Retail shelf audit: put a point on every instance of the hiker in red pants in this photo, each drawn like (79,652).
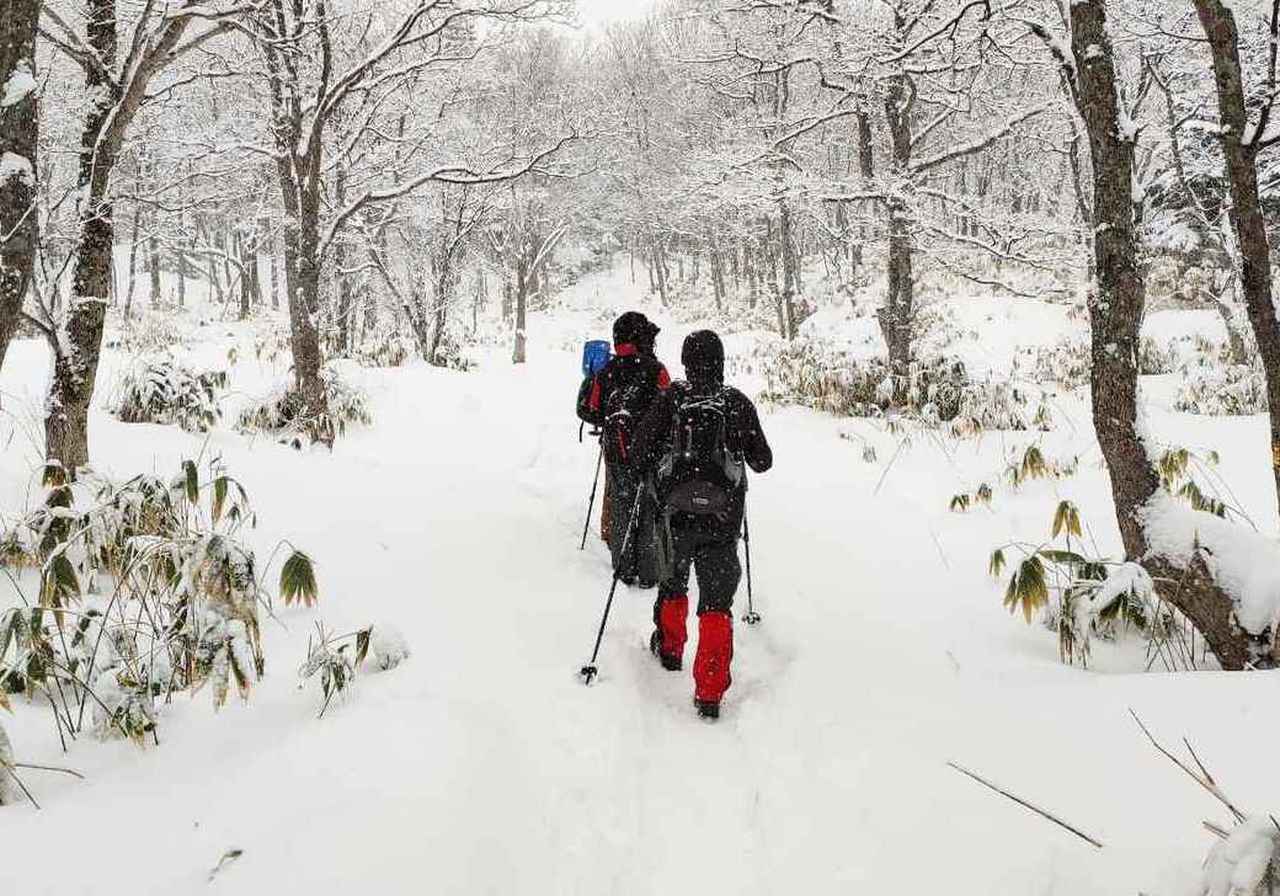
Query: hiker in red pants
(695,440)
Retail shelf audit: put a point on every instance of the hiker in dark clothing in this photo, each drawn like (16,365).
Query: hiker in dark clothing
(695,440)
(615,400)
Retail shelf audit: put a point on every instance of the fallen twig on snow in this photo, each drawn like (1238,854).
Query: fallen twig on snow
(1021,802)
(1204,779)
(12,774)
(48,768)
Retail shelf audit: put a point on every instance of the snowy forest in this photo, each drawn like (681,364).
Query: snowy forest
(300,544)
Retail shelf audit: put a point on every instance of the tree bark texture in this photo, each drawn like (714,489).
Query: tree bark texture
(18,137)
(1115,314)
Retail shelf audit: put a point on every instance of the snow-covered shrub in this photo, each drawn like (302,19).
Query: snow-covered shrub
(1032,464)
(1155,359)
(272,343)
(335,660)
(1076,596)
(143,588)
(332,661)
(162,390)
(451,355)
(148,333)
(1080,597)
(1221,391)
(283,412)
(938,389)
(387,646)
(1066,364)
(385,350)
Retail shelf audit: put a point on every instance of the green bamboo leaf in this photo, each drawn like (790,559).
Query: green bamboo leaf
(1033,590)
(191,480)
(1073,522)
(1066,558)
(219,496)
(362,644)
(298,580)
(996,566)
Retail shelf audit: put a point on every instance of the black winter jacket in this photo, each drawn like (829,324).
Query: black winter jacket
(625,388)
(744,437)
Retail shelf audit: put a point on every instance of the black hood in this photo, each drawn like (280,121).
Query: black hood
(633,328)
(703,357)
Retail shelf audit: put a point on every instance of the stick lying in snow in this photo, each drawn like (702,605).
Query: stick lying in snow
(1204,779)
(48,768)
(1021,802)
(23,787)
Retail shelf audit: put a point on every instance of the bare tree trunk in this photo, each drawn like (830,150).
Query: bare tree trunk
(1115,313)
(659,270)
(19,127)
(345,292)
(246,284)
(790,275)
(302,276)
(153,266)
(519,354)
(76,355)
(135,231)
(897,316)
(1219,27)
(275,276)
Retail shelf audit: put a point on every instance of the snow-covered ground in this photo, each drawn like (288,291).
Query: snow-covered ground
(482,765)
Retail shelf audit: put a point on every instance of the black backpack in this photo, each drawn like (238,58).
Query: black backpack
(621,416)
(699,475)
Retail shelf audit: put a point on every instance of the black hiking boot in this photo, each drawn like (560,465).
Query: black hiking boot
(707,710)
(670,663)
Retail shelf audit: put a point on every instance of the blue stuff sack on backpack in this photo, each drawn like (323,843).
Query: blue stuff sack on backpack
(595,354)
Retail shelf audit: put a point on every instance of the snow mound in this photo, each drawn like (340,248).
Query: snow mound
(1245,564)
(388,646)
(1237,865)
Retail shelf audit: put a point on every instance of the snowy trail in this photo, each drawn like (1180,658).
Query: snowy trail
(484,766)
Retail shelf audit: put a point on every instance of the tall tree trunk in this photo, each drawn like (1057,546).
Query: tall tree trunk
(519,354)
(660,270)
(18,139)
(135,233)
(153,266)
(790,275)
(345,292)
(237,251)
(440,310)
(275,275)
(250,260)
(897,316)
(302,276)
(180,265)
(1115,314)
(1219,26)
(76,354)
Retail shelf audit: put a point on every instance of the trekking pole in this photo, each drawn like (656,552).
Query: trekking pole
(752,617)
(595,483)
(589,671)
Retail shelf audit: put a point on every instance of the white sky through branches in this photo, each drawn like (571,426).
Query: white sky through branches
(602,12)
